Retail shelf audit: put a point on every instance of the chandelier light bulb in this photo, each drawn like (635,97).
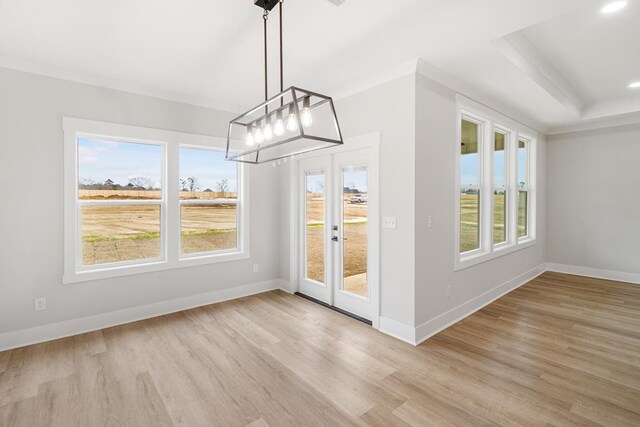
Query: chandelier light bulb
(278,129)
(258,135)
(305,114)
(250,140)
(292,121)
(268,131)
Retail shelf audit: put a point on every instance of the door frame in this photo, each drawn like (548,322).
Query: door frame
(369,141)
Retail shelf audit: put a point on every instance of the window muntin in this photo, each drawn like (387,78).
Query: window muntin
(523,188)
(119,201)
(208,202)
(500,188)
(470,179)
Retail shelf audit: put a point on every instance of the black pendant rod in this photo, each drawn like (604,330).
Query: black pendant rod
(265,16)
(281,60)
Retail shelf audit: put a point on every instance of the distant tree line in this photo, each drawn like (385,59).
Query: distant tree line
(137,183)
(144,184)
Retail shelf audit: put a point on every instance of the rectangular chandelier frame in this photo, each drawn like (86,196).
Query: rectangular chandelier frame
(304,139)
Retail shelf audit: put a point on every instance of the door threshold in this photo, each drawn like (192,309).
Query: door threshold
(339,310)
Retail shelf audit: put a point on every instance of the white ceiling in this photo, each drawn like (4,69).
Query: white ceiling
(209,51)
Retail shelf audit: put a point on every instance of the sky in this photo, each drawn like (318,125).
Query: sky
(354,178)
(469,168)
(100,160)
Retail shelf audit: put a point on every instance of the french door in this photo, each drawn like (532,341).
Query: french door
(338,230)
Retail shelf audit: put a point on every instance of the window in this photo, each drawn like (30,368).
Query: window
(139,200)
(500,192)
(523,188)
(208,202)
(470,186)
(496,187)
(120,200)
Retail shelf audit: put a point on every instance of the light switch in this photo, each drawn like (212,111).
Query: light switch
(389,222)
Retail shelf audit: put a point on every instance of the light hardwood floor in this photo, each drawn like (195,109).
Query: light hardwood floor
(561,350)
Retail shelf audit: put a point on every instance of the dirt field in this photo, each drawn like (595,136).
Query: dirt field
(125,233)
(355,245)
(469,221)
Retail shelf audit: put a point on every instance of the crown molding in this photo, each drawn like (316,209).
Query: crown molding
(61,73)
(595,124)
(377,79)
(429,71)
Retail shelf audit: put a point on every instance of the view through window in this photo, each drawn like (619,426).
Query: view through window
(120,197)
(315,225)
(470,187)
(208,201)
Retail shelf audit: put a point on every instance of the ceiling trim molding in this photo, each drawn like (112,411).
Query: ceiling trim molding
(377,79)
(431,72)
(52,71)
(595,124)
(523,54)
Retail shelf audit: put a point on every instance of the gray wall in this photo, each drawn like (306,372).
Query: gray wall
(31,205)
(594,199)
(435,194)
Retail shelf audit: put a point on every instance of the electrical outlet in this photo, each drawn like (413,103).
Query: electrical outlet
(449,291)
(40,304)
(430,221)
(256,268)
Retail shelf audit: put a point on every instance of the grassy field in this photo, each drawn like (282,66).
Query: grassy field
(469,220)
(125,233)
(355,245)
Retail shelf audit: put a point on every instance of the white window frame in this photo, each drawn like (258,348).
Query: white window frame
(507,178)
(490,122)
(170,228)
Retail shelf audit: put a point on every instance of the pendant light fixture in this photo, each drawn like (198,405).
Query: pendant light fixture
(295,121)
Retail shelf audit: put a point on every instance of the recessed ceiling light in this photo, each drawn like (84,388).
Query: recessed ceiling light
(614,6)
(634,85)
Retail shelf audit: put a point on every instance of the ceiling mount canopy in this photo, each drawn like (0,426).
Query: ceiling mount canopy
(295,121)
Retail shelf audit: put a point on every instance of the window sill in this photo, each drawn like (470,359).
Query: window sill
(463,262)
(150,267)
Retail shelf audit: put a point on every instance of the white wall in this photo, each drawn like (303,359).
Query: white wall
(389,109)
(435,193)
(593,181)
(31,205)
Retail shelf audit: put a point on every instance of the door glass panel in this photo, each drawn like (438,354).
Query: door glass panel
(315,226)
(354,225)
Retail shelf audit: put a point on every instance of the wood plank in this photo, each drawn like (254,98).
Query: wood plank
(561,350)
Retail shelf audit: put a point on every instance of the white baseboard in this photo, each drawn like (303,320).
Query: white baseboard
(597,273)
(38,334)
(285,285)
(443,321)
(397,330)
